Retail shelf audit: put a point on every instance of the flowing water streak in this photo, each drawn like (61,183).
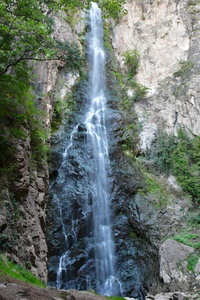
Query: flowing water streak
(105,282)
(95,123)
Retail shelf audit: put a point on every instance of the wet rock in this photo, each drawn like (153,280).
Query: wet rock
(82,127)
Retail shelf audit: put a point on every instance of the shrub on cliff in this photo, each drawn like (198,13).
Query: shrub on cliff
(180,156)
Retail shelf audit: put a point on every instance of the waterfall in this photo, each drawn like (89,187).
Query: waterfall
(97,137)
(82,195)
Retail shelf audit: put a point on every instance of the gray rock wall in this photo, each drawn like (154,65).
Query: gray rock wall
(166,35)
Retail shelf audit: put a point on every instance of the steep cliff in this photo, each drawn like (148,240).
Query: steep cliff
(166,35)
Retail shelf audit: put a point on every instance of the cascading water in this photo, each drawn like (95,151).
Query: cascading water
(82,195)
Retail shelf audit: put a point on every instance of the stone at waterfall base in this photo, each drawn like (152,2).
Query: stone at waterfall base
(167,296)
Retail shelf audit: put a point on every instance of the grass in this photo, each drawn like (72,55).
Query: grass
(189,239)
(192,261)
(15,271)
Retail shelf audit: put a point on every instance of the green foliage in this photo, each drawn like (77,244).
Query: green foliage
(25,33)
(107,39)
(25,30)
(58,113)
(179,155)
(131,61)
(189,239)
(194,218)
(18,114)
(162,150)
(7,268)
(140,90)
(112,8)
(186,164)
(157,189)
(192,261)
(193,2)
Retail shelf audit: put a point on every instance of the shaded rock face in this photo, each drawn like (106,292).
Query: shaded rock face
(67,224)
(23,223)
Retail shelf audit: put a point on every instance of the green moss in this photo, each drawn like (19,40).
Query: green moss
(7,268)
(192,261)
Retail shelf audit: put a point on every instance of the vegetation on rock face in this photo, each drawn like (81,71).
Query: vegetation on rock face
(18,272)
(131,60)
(180,156)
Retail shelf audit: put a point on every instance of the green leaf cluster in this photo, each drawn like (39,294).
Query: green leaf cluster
(140,90)
(131,61)
(25,34)
(112,8)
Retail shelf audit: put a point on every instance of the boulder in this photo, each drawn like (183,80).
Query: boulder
(173,264)
(164,296)
(179,296)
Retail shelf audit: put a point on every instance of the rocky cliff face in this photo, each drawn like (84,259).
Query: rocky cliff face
(166,35)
